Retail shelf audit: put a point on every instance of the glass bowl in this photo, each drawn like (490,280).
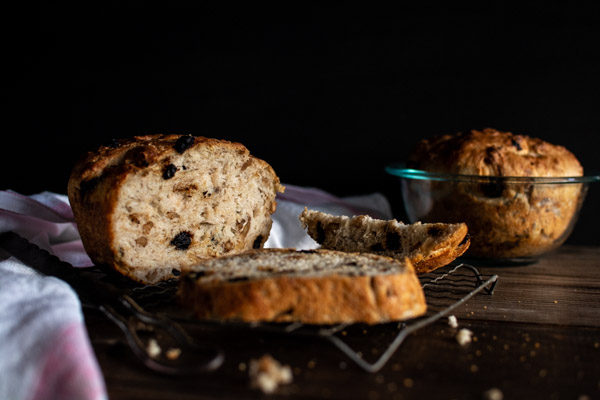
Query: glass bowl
(510,219)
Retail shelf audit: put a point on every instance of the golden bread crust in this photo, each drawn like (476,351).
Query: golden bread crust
(491,152)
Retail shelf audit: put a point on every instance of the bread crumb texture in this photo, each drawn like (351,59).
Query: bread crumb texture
(309,286)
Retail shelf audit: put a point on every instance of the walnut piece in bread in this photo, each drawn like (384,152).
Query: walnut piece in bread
(308,286)
(428,246)
(151,205)
(506,219)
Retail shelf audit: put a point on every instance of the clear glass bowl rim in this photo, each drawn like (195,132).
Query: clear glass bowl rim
(400,170)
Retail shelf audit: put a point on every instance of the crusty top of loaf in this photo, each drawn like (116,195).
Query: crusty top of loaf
(140,151)
(491,152)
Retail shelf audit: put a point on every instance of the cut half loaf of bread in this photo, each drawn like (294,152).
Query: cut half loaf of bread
(428,246)
(310,286)
(151,205)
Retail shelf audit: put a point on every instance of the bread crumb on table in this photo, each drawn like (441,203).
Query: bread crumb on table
(493,394)
(173,353)
(266,374)
(463,337)
(153,348)
(452,321)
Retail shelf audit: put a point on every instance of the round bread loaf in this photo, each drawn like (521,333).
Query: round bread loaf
(309,286)
(506,219)
(491,152)
(151,205)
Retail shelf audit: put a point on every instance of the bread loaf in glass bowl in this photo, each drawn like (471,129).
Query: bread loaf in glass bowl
(519,196)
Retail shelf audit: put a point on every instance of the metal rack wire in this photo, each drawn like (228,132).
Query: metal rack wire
(445,290)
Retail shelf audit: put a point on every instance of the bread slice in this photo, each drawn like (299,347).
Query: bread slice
(428,246)
(308,286)
(151,205)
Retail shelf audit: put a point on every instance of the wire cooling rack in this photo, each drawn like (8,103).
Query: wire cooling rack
(147,314)
(445,289)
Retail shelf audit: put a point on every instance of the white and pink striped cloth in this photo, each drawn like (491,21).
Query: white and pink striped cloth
(45,351)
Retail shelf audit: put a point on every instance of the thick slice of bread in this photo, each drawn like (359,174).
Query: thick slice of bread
(428,246)
(151,205)
(309,286)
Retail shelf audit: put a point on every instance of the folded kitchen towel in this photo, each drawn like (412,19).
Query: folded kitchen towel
(45,352)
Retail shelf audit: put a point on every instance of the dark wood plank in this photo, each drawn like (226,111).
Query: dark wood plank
(562,288)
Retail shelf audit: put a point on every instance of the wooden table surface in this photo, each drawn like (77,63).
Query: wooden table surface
(536,337)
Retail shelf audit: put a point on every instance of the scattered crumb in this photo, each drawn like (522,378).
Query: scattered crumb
(493,394)
(584,397)
(407,382)
(343,365)
(543,373)
(452,321)
(267,374)
(474,368)
(242,366)
(311,364)
(173,354)
(555,301)
(153,348)
(392,387)
(463,337)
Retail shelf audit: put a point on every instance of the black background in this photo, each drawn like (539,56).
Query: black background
(327,94)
